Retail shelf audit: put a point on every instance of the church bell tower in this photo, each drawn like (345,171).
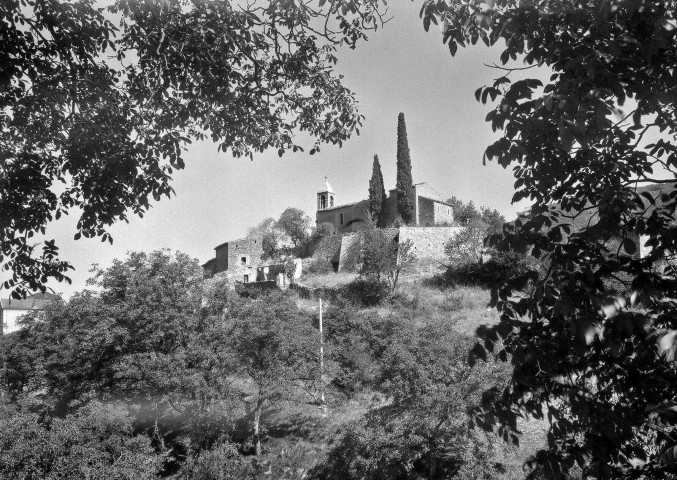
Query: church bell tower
(325,197)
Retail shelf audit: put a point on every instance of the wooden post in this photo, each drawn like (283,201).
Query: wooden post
(323,405)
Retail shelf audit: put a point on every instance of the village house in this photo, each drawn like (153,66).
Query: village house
(240,261)
(237,259)
(11,310)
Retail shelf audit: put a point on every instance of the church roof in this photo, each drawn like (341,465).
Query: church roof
(327,187)
(33,302)
(425,190)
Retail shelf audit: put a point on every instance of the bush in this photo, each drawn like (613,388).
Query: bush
(325,229)
(355,342)
(361,292)
(501,267)
(319,266)
(221,462)
(384,258)
(98,442)
(366,292)
(467,244)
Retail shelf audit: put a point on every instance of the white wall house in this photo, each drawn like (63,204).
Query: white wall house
(11,310)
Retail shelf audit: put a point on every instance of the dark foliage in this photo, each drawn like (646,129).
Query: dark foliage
(319,266)
(377,194)
(423,432)
(601,367)
(405,183)
(98,442)
(383,258)
(363,292)
(498,269)
(356,341)
(108,109)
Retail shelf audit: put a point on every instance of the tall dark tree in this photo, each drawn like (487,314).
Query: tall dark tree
(377,193)
(405,183)
(600,366)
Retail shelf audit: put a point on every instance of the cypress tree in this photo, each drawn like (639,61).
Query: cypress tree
(377,193)
(405,183)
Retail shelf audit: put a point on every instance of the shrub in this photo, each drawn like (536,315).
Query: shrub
(325,229)
(319,266)
(467,244)
(349,336)
(383,258)
(501,267)
(366,292)
(221,462)
(98,442)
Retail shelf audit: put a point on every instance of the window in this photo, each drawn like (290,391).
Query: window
(323,202)
(340,219)
(331,201)
(243,260)
(246,279)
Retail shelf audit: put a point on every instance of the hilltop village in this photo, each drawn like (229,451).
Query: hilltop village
(410,212)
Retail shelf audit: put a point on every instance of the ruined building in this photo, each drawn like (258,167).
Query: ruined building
(240,260)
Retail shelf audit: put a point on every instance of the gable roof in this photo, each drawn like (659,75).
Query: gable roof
(33,302)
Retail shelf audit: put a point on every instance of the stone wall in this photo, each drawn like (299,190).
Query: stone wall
(444,214)
(221,259)
(328,248)
(351,246)
(429,241)
(428,244)
(238,258)
(346,218)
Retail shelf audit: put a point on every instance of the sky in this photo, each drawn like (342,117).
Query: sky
(401,68)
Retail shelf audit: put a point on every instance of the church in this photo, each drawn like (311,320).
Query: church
(429,210)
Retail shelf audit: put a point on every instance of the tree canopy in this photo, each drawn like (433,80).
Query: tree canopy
(592,340)
(98,103)
(467,213)
(296,224)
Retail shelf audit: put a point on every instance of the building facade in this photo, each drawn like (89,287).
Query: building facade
(239,259)
(430,210)
(12,310)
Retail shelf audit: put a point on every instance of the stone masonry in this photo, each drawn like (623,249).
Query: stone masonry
(428,244)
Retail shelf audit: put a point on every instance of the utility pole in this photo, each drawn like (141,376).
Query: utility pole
(323,404)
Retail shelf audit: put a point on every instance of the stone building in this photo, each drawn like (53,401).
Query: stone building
(430,210)
(239,259)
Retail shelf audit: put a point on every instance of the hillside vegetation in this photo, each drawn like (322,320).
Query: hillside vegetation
(197,382)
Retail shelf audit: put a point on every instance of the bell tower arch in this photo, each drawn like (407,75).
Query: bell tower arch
(325,197)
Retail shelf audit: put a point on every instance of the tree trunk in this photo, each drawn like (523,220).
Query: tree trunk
(432,462)
(257,423)
(432,467)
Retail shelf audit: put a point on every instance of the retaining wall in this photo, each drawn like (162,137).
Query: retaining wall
(429,241)
(349,258)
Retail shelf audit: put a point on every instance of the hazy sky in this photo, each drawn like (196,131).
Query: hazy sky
(400,69)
